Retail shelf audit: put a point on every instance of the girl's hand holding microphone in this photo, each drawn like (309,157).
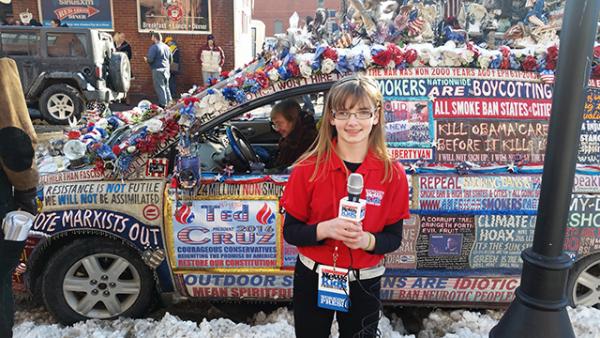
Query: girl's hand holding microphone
(349,232)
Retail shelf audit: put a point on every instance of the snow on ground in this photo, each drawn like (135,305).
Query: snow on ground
(37,323)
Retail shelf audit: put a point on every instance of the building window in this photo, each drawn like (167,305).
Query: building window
(320,3)
(278,27)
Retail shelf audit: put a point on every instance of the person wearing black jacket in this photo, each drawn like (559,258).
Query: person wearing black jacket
(297,130)
(18,178)
(122,45)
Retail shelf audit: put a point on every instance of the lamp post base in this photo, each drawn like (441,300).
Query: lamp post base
(522,320)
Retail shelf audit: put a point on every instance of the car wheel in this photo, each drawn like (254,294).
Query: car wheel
(100,279)
(584,282)
(120,72)
(59,102)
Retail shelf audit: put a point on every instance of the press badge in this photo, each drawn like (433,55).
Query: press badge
(334,289)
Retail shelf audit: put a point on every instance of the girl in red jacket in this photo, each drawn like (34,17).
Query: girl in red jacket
(339,265)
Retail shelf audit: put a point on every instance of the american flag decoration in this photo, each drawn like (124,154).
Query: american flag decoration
(157,167)
(452,8)
(547,77)
(415,26)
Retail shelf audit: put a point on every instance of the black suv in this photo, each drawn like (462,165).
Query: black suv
(62,69)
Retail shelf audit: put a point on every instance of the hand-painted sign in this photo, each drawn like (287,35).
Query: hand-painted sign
(406,255)
(485,141)
(478,194)
(584,224)
(263,189)
(408,123)
(589,140)
(78,13)
(225,234)
(181,17)
(446,289)
(119,224)
(140,199)
(586,184)
(500,240)
(71,176)
(445,242)
(239,286)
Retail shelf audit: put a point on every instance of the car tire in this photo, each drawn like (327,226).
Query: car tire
(120,72)
(60,102)
(96,279)
(584,282)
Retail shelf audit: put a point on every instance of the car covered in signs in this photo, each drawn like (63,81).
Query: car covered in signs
(177,203)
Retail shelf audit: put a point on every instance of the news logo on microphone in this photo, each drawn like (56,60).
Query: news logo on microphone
(352,207)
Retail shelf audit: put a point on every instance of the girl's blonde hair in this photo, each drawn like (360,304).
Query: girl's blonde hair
(345,94)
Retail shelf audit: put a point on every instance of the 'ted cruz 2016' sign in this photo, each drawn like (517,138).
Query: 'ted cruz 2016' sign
(225,234)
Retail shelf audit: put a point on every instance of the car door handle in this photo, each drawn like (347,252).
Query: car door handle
(249,131)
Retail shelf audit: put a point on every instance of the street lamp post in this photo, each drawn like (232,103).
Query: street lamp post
(539,308)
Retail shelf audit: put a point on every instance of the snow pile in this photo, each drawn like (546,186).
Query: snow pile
(37,323)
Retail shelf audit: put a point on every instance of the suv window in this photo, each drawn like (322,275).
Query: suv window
(67,45)
(19,43)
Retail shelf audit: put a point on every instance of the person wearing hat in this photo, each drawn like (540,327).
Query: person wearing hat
(175,65)
(18,178)
(212,59)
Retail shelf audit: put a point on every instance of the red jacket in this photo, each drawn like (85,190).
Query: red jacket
(317,201)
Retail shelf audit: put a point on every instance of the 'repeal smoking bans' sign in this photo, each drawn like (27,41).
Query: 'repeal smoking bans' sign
(181,17)
(95,14)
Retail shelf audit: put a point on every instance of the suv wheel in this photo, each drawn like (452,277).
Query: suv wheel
(584,282)
(99,279)
(59,102)
(120,72)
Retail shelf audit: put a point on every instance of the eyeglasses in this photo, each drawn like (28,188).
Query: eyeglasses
(363,114)
(275,126)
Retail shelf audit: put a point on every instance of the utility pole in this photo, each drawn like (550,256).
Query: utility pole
(539,308)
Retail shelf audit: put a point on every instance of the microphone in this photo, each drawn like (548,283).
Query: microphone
(353,207)
(355,187)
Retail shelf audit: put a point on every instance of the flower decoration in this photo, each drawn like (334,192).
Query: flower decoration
(552,57)
(410,55)
(505,60)
(330,54)
(327,66)
(529,63)
(305,69)
(261,78)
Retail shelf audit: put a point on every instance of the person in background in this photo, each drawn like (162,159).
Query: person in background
(159,58)
(212,59)
(9,20)
(351,140)
(175,65)
(18,178)
(121,45)
(297,130)
(57,23)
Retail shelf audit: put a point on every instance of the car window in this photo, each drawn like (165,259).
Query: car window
(67,45)
(313,103)
(19,43)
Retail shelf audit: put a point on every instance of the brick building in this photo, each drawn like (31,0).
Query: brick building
(125,19)
(275,14)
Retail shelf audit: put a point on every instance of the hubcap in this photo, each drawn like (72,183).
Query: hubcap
(101,286)
(587,286)
(60,106)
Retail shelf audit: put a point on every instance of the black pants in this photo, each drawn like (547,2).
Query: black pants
(10,252)
(311,321)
